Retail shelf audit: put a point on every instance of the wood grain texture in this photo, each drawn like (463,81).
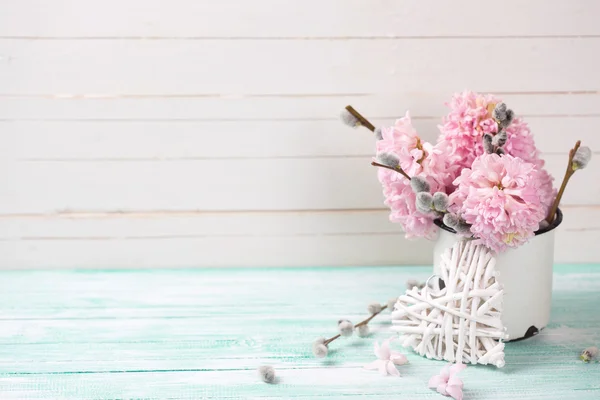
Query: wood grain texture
(305,19)
(111,140)
(152,133)
(264,107)
(215,66)
(196,334)
(242,239)
(240,184)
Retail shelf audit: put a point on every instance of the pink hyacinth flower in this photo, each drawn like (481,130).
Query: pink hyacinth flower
(400,198)
(447,383)
(415,157)
(468,120)
(403,141)
(386,359)
(501,198)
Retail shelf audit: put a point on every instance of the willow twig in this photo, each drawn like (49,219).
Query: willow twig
(363,121)
(568,174)
(397,169)
(366,321)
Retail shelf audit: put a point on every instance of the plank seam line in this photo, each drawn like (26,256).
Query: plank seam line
(233,235)
(99,214)
(240,96)
(298,38)
(216,158)
(291,119)
(205,236)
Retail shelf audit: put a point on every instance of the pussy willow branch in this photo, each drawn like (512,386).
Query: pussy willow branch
(568,174)
(331,339)
(363,121)
(366,321)
(397,169)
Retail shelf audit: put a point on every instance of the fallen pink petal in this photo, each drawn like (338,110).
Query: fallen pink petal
(387,360)
(447,383)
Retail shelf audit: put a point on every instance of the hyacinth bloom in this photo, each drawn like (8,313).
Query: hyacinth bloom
(401,200)
(500,197)
(546,189)
(520,143)
(402,140)
(439,167)
(415,157)
(469,119)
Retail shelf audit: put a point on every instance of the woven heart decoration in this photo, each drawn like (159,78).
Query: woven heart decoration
(461,322)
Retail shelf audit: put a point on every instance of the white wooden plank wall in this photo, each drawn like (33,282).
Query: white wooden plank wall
(165,133)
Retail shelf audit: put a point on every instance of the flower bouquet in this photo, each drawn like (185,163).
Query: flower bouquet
(483,181)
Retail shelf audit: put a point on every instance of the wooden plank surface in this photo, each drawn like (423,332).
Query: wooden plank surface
(114,107)
(142,133)
(291,19)
(266,238)
(194,139)
(195,334)
(323,66)
(217,184)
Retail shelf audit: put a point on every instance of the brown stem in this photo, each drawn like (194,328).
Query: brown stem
(568,174)
(366,321)
(331,339)
(363,121)
(397,169)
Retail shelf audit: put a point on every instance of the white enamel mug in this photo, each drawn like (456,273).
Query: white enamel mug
(525,272)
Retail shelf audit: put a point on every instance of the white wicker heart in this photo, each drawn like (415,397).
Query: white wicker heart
(461,322)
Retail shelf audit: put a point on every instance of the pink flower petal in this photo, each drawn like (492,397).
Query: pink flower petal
(384,350)
(372,365)
(456,368)
(455,381)
(455,391)
(435,381)
(377,350)
(442,389)
(383,368)
(445,373)
(391,369)
(398,358)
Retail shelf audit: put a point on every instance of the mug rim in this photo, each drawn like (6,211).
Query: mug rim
(557,221)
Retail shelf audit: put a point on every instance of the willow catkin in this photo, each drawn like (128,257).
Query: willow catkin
(345,327)
(349,119)
(582,157)
(267,373)
(419,184)
(388,159)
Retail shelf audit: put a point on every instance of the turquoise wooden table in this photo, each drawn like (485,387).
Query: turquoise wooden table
(195,334)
